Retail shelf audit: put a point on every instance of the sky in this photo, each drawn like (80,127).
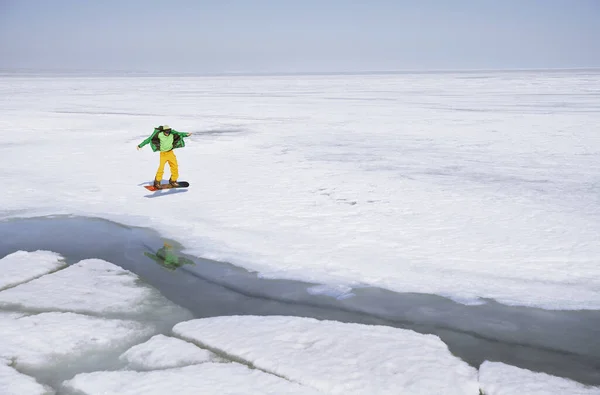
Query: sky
(228,36)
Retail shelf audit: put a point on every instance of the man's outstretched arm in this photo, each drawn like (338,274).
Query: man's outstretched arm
(146,141)
(183,134)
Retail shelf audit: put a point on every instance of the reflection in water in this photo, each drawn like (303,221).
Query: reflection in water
(561,343)
(167,258)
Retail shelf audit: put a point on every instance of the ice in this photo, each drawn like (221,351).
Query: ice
(248,354)
(14,383)
(36,341)
(10,315)
(90,286)
(337,358)
(500,379)
(22,266)
(466,185)
(162,352)
(339,292)
(206,379)
(45,334)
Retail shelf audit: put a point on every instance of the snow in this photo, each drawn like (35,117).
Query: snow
(500,379)
(10,315)
(207,378)
(40,340)
(467,185)
(337,358)
(89,286)
(162,352)
(14,383)
(83,354)
(22,266)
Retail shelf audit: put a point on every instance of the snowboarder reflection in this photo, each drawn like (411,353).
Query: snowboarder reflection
(168,259)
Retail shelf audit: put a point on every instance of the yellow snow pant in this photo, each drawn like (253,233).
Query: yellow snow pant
(170,158)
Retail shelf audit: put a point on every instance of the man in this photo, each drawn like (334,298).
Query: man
(165,140)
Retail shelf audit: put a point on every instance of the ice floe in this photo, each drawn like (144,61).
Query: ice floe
(92,286)
(500,379)
(22,266)
(48,338)
(162,352)
(48,345)
(337,358)
(14,383)
(208,378)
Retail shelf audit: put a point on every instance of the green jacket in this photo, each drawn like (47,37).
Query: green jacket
(155,142)
(168,259)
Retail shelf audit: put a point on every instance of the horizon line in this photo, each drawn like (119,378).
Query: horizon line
(143,73)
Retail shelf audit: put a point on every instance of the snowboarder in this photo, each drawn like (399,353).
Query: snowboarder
(165,140)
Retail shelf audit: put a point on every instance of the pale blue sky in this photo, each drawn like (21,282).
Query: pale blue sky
(295,36)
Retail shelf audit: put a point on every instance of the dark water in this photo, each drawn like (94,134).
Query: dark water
(561,343)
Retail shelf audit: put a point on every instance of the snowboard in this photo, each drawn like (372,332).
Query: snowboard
(182,184)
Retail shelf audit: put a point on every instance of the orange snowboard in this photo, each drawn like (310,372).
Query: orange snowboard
(182,184)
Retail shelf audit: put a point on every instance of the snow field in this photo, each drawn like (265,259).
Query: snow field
(468,185)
